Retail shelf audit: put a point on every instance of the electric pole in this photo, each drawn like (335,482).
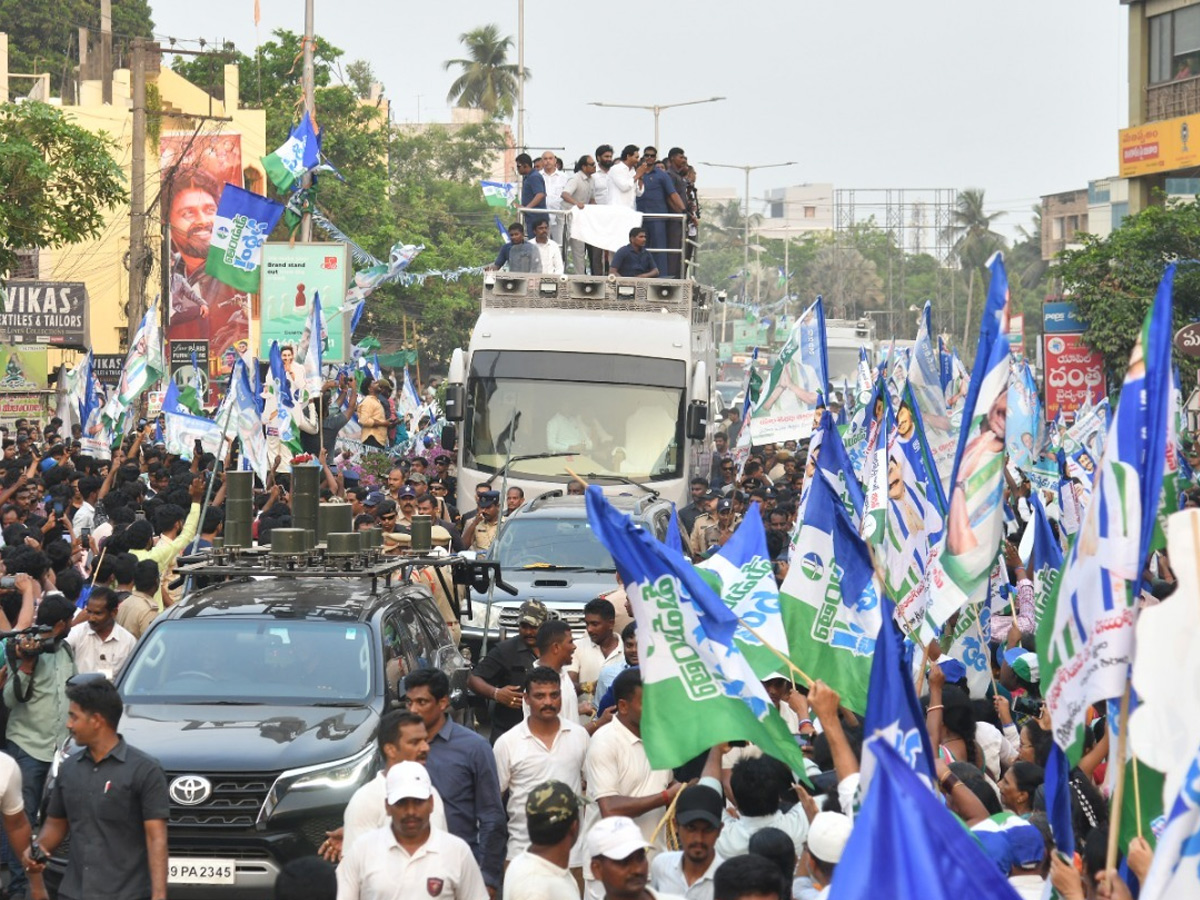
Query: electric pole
(137,191)
(310,105)
(106,58)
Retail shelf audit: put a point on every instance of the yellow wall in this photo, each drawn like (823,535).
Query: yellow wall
(100,263)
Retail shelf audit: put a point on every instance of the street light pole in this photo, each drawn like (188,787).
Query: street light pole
(655,108)
(308,79)
(520,76)
(746,235)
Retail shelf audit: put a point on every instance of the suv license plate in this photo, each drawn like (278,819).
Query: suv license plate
(200,870)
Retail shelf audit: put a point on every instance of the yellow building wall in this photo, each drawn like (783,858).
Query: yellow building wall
(100,263)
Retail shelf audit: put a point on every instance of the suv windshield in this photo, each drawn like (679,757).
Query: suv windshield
(235,660)
(534,542)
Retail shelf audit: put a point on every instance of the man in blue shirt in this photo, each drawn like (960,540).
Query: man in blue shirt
(634,260)
(533,191)
(658,196)
(463,770)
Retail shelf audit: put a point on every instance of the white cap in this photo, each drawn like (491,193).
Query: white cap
(616,837)
(408,780)
(827,836)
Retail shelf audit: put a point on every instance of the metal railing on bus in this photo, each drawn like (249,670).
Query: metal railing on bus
(689,259)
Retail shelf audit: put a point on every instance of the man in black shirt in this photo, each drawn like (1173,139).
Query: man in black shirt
(113,800)
(500,674)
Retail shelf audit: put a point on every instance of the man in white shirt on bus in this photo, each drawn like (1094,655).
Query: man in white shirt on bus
(625,179)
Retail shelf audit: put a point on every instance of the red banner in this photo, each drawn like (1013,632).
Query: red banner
(1074,373)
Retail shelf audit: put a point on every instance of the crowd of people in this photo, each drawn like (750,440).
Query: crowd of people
(663,191)
(553,796)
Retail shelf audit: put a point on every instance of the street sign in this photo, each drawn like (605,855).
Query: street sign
(1187,340)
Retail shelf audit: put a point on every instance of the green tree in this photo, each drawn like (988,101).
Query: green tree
(1112,280)
(56,180)
(44,36)
(487,80)
(974,242)
(848,281)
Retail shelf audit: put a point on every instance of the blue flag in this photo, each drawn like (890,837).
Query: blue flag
(906,844)
(673,537)
(894,716)
(1175,871)
(280,388)
(1058,800)
(1046,558)
(833,462)
(299,153)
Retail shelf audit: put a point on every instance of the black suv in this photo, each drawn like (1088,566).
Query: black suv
(261,699)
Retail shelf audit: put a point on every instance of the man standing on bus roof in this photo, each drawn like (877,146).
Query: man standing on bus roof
(658,197)
(634,260)
(517,254)
(533,191)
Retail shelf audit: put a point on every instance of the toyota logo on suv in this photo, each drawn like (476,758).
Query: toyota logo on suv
(190,790)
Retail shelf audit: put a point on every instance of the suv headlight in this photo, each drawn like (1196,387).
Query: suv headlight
(339,774)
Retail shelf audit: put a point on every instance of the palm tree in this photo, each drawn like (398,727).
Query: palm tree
(488,81)
(974,241)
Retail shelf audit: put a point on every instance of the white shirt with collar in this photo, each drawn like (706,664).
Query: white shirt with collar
(551,256)
(590,659)
(617,767)
(570,700)
(376,867)
(666,874)
(523,762)
(367,811)
(736,832)
(530,877)
(93,654)
(85,517)
(623,187)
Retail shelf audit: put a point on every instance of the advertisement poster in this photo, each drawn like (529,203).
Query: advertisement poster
(1074,373)
(184,374)
(45,312)
(107,367)
(22,368)
(291,275)
(25,406)
(195,172)
(1061,317)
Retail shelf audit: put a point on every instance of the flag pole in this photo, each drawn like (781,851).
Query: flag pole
(792,667)
(1114,818)
(1137,795)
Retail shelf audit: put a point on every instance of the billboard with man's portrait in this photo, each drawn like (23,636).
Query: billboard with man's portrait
(195,170)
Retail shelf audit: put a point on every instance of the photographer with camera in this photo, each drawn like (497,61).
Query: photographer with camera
(38,663)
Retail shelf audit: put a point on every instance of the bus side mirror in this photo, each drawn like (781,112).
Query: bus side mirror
(449,437)
(455,406)
(697,421)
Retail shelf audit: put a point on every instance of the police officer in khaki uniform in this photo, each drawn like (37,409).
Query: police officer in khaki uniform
(706,518)
(483,527)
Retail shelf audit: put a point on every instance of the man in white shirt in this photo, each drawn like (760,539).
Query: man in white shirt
(85,516)
(556,180)
(602,647)
(579,192)
(689,872)
(548,251)
(541,872)
(407,857)
(543,747)
(402,738)
(625,179)
(756,784)
(618,774)
(100,644)
(556,647)
(827,837)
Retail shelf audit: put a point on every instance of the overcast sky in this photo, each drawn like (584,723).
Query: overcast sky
(1021,97)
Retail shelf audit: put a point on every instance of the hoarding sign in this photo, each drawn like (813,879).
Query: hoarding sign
(45,312)
(1074,374)
(108,367)
(34,406)
(292,274)
(183,372)
(1160,146)
(23,368)
(1061,317)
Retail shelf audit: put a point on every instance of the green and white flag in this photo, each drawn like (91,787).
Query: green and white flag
(830,599)
(500,194)
(299,153)
(698,689)
(785,405)
(144,367)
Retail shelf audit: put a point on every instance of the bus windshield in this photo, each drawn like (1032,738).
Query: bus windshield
(631,430)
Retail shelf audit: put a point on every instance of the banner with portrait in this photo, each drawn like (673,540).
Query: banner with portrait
(195,170)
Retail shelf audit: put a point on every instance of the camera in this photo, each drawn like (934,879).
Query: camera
(8,581)
(1027,706)
(38,634)
(37,854)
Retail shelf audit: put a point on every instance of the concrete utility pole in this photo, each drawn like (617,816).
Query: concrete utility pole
(106,58)
(310,104)
(137,189)
(520,76)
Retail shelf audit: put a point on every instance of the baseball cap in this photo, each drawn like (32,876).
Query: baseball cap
(416,478)
(532,612)
(489,498)
(408,780)
(1023,663)
(442,458)
(616,837)
(551,803)
(827,836)
(373,499)
(952,668)
(699,802)
(405,493)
